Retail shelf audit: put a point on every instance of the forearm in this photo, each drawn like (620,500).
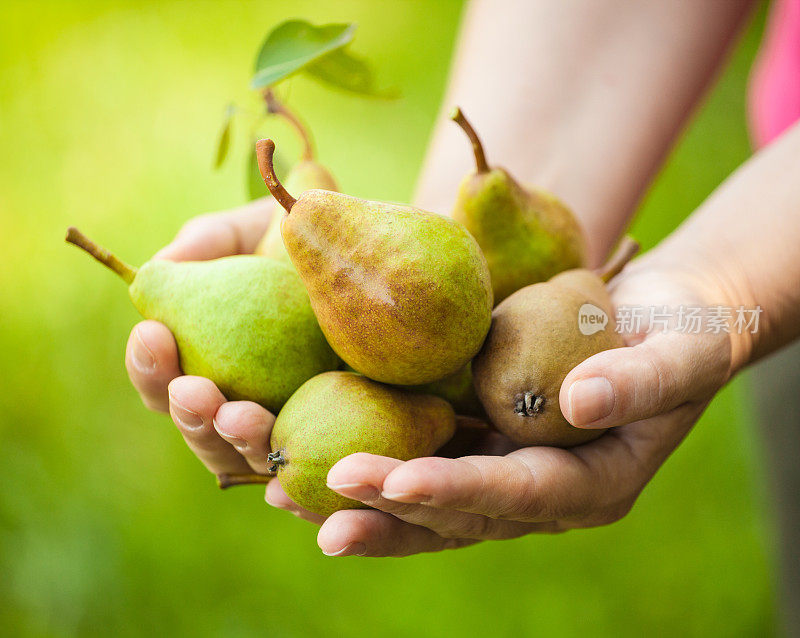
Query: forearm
(582,98)
(746,237)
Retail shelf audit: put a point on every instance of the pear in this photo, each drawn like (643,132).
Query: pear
(526,234)
(458,390)
(308,173)
(538,335)
(340,413)
(402,295)
(244,322)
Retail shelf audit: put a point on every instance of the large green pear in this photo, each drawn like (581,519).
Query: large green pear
(340,413)
(527,234)
(402,295)
(244,322)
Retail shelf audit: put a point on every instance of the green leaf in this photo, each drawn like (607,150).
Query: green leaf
(348,72)
(256,187)
(224,142)
(293,45)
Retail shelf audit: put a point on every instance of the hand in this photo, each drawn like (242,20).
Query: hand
(225,436)
(660,384)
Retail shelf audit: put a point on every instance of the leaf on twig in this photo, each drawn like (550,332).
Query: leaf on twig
(293,45)
(351,73)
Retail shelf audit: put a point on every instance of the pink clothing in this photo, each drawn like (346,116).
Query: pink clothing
(774,91)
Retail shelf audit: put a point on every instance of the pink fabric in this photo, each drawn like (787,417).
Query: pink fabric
(774,91)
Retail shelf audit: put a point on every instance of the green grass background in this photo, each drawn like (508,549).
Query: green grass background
(109,526)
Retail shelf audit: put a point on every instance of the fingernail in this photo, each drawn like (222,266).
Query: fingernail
(406,497)
(590,400)
(166,252)
(143,357)
(357,491)
(235,441)
(353,549)
(185,418)
(268,502)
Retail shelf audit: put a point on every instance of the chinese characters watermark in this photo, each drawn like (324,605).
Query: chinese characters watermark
(685,319)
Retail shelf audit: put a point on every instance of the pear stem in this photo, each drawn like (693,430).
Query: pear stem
(276,107)
(76,237)
(471,423)
(264,152)
(627,248)
(224,481)
(477,147)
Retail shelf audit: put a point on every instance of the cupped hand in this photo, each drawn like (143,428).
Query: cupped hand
(226,436)
(650,393)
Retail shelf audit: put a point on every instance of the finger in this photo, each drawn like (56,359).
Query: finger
(246,426)
(373,533)
(539,484)
(624,385)
(220,234)
(362,477)
(276,497)
(592,484)
(472,440)
(151,358)
(193,402)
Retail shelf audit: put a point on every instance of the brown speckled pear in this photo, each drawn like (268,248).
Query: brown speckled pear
(527,234)
(402,295)
(340,413)
(307,174)
(244,322)
(538,335)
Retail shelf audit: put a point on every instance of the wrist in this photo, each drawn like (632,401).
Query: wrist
(722,288)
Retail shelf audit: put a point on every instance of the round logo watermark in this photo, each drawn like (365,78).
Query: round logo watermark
(591,319)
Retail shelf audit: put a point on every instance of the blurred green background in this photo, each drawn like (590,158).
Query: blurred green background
(109,526)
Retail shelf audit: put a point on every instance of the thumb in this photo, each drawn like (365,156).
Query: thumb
(629,384)
(215,235)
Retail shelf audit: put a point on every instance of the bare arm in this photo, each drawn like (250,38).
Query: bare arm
(747,236)
(582,98)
